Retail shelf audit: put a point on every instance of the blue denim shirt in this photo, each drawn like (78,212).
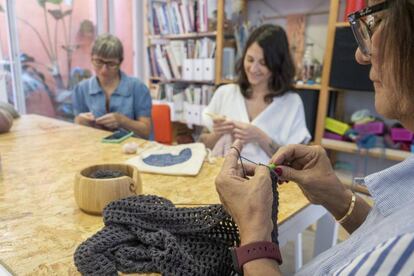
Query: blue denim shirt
(131,98)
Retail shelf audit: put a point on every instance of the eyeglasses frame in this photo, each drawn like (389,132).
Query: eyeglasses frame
(105,63)
(353,21)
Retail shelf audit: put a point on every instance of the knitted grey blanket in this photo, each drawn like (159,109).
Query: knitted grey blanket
(148,233)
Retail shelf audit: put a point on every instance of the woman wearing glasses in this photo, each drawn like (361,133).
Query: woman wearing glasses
(111,99)
(382,240)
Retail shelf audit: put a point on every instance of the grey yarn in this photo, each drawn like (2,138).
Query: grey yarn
(148,233)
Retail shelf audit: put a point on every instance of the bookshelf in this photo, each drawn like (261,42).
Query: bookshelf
(186,21)
(325,90)
(185,45)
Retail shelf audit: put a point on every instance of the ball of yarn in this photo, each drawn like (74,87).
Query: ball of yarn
(130,148)
(6,121)
(9,108)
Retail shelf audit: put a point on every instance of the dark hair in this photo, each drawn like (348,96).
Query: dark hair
(273,40)
(397,45)
(108,46)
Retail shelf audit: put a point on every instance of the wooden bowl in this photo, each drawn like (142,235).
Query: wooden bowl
(93,194)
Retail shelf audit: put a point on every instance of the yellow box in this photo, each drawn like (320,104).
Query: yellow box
(336,126)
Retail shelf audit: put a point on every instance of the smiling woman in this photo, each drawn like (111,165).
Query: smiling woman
(260,109)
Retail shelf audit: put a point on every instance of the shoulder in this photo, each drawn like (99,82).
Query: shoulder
(228,90)
(84,84)
(136,85)
(292,99)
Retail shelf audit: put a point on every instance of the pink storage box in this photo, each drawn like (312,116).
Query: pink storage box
(401,135)
(333,136)
(370,128)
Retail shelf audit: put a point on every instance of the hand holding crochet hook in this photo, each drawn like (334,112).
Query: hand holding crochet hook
(249,201)
(310,168)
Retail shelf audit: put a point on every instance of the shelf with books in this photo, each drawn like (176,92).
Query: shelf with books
(161,80)
(183,36)
(349,147)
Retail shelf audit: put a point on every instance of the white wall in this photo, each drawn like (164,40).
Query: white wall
(316,25)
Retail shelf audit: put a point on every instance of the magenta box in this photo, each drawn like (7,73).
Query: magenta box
(370,128)
(333,136)
(401,134)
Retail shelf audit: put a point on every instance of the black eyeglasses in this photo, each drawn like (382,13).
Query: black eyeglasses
(99,63)
(363,25)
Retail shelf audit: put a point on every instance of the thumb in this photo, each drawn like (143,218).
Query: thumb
(290,174)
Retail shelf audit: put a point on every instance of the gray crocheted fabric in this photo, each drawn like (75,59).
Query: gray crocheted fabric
(149,234)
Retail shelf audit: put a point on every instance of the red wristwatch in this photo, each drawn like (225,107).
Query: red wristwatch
(253,251)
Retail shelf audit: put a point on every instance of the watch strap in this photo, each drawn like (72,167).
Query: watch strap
(253,251)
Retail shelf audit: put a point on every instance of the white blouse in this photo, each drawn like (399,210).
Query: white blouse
(283,120)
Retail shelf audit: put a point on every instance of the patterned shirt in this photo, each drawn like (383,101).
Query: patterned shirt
(384,243)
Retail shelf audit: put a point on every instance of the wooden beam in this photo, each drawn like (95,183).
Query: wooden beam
(286,15)
(219,40)
(324,92)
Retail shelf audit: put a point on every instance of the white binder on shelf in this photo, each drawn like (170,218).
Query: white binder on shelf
(188,69)
(208,69)
(198,69)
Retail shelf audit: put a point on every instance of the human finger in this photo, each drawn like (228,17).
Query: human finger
(290,153)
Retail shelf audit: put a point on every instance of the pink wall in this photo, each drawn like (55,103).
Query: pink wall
(82,9)
(123,29)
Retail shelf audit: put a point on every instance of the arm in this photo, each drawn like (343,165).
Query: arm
(266,143)
(209,139)
(249,202)
(83,116)
(141,126)
(248,133)
(339,207)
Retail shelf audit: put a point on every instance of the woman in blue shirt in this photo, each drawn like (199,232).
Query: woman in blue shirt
(382,240)
(111,99)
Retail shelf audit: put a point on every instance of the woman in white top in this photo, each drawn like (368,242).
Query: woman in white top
(259,110)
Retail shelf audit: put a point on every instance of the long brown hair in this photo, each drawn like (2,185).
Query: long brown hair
(398,45)
(273,40)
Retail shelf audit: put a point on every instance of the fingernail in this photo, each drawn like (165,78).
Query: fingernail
(279,171)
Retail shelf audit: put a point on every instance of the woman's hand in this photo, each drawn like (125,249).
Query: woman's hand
(222,126)
(86,118)
(246,132)
(310,168)
(111,120)
(248,201)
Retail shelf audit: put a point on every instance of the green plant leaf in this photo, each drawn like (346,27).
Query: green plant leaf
(54,1)
(57,14)
(42,3)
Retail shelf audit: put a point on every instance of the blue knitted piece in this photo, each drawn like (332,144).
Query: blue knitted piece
(167,159)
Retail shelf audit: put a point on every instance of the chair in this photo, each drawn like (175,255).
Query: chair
(162,126)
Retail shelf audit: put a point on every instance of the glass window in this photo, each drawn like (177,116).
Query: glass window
(5,77)
(55,46)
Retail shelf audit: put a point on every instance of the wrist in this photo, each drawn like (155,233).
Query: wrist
(341,205)
(255,233)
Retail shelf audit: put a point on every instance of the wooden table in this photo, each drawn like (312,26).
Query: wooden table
(40,223)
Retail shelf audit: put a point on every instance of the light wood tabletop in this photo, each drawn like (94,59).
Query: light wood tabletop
(40,223)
